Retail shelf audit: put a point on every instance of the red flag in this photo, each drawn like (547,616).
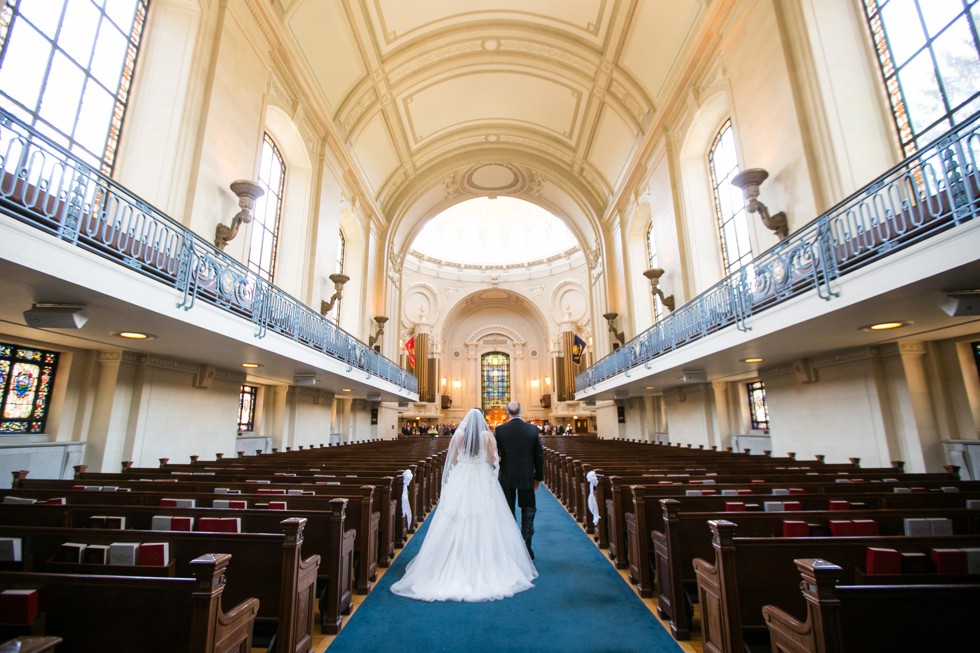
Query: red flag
(410,348)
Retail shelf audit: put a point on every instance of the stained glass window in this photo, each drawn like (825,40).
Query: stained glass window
(496,380)
(26,377)
(733,224)
(246,408)
(268,210)
(929,56)
(758,409)
(67,67)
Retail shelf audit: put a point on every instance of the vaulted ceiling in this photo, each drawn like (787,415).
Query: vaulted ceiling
(441,100)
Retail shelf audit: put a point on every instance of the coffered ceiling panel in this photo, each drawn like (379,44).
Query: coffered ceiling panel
(326,41)
(398,21)
(479,97)
(613,144)
(376,153)
(651,59)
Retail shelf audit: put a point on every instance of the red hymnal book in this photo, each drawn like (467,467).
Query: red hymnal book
(838,504)
(270,490)
(795,529)
(153,554)
(734,506)
(181,523)
(18,606)
(742,492)
(949,561)
(841,527)
(865,527)
(277,505)
(796,490)
(792,505)
(230,525)
(883,561)
(209,524)
(56,501)
(708,492)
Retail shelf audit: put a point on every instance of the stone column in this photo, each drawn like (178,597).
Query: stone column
(722,423)
(101,444)
(471,392)
(928,447)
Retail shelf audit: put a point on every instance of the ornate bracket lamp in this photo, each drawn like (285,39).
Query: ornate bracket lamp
(619,335)
(380,319)
(654,274)
(247,192)
(749,181)
(338,285)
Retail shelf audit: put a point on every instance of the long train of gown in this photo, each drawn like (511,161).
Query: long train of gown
(473,550)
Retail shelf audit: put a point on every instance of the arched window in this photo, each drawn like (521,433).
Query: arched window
(334,314)
(26,377)
(495,380)
(268,210)
(733,226)
(929,56)
(66,68)
(653,260)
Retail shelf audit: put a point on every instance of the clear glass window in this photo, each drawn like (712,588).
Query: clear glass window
(929,56)
(67,67)
(268,211)
(733,227)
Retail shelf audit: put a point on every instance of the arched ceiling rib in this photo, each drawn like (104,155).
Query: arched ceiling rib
(564,88)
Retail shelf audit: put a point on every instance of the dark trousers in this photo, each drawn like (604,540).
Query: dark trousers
(524,496)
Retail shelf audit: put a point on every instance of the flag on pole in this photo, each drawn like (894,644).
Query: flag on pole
(410,348)
(578,350)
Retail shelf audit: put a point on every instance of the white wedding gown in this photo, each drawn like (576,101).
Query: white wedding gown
(473,550)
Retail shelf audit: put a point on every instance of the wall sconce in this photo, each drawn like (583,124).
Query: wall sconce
(547,380)
(247,192)
(534,383)
(338,285)
(749,181)
(619,335)
(380,319)
(456,384)
(443,382)
(654,274)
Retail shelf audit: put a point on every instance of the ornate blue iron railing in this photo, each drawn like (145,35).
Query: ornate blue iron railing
(45,186)
(934,190)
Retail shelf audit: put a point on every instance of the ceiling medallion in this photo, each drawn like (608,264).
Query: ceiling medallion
(494,179)
(491,44)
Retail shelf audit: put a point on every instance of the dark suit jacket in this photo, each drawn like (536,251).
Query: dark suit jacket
(521,454)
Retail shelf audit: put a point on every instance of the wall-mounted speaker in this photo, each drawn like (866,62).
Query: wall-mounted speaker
(55,316)
(204,376)
(304,379)
(963,304)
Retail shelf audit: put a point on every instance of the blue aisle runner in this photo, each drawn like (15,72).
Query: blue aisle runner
(578,603)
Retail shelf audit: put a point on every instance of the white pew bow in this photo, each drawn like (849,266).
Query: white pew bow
(406,504)
(593,480)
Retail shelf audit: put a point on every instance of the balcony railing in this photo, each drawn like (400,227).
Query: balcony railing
(934,190)
(45,186)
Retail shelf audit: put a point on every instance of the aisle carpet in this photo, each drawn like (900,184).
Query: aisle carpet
(578,603)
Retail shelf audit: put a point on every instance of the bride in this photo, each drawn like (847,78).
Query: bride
(473,550)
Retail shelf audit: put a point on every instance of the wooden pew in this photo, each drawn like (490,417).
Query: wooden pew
(267,567)
(750,572)
(122,614)
(933,617)
(359,513)
(685,536)
(30,645)
(324,536)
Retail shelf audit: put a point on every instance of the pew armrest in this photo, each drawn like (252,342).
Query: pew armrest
(233,630)
(788,634)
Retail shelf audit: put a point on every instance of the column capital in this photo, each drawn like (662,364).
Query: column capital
(912,349)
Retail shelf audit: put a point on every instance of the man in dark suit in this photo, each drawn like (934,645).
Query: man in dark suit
(521,467)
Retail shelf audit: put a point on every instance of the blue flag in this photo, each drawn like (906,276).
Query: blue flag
(578,349)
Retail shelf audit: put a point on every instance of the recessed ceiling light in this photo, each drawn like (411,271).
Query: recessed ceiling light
(649,387)
(345,389)
(753,360)
(133,335)
(884,326)
(251,366)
